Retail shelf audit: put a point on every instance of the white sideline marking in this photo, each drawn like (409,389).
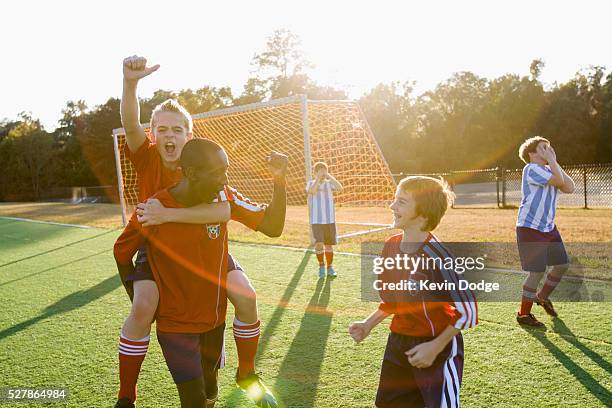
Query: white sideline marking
(365,224)
(50,222)
(354,234)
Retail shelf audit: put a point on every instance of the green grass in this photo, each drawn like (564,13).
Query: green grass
(62,307)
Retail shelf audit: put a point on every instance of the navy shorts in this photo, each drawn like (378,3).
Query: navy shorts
(538,249)
(193,355)
(402,385)
(142,270)
(325,233)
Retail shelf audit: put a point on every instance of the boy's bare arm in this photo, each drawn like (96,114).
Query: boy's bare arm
(568,183)
(273,221)
(560,178)
(152,212)
(335,183)
(360,330)
(134,69)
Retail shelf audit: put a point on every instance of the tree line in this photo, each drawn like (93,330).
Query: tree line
(466,122)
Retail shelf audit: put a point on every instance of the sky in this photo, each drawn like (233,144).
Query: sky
(61,50)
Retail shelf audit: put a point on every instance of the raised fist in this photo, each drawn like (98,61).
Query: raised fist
(278,164)
(135,68)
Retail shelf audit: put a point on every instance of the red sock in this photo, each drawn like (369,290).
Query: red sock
(320,258)
(529,295)
(247,340)
(550,284)
(329,256)
(131,356)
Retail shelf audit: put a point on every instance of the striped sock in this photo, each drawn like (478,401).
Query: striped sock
(131,356)
(529,296)
(550,284)
(247,340)
(319,253)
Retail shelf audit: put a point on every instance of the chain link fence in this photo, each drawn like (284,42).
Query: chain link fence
(499,187)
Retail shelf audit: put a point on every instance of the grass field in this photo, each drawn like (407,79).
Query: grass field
(579,227)
(63,305)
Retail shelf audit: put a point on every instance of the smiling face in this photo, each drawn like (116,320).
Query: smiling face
(171,134)
(404,211)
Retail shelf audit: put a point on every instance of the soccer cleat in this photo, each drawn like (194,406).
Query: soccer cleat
(321,272)
(528,320)
(124,403)
(257,391)
(331,273)
(548,306)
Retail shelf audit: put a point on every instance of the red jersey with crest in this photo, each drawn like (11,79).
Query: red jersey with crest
(189,264)
(153,176)
(416,315)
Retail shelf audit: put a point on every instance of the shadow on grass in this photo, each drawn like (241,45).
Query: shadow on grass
(279,311)
(236,397)
(69,303)
(587,381)
(566,334)
(298,376)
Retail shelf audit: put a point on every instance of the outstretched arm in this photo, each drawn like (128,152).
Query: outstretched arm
(274,218)
(134,69)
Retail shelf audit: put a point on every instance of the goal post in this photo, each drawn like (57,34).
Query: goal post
(308,131)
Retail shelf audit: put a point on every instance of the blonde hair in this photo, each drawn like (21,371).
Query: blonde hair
(432,198)
(529,146)
(319,165)
(172,105)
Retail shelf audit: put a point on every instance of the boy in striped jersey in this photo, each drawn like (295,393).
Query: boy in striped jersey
(539,242)
(322,216)
(423,361)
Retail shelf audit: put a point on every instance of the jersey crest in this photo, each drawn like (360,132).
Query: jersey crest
(213,231)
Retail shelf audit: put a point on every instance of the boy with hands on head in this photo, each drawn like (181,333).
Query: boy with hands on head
(538,239)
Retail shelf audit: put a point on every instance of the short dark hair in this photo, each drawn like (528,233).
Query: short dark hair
(196,151)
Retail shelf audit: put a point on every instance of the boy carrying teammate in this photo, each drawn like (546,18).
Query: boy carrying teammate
(189,264)
(423,361)
(322,216)
(157,166)
(539,242)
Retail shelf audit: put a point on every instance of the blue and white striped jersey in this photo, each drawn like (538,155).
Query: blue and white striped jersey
(539,199)
(321,203)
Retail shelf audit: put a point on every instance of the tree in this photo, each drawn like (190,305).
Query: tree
(390,114)
(27,153)
(280,71)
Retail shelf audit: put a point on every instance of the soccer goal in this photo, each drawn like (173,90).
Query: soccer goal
(335,132)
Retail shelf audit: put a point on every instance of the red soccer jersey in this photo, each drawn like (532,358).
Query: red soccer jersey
(189,263)
(420,317)
(153,176)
